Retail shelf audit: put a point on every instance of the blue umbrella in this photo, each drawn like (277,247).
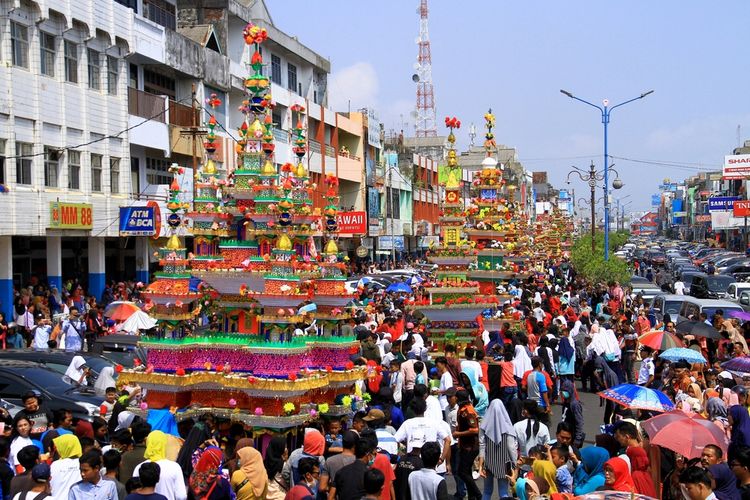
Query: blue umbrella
(363,281)
(638,398)
(678,353)
(399,288)
(415,280)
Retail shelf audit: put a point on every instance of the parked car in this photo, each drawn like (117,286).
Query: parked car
(712,286)
(121,349)
(744,300)
(735,289)
(687,278)
(667,303)
(738,270)
(20,377)
(58,361)
(647,290)
(693,307)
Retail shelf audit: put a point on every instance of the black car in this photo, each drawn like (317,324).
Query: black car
(121,349)
(55,360)
(20,377)
(712,286)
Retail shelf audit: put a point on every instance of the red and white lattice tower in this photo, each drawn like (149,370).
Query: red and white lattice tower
(426,125)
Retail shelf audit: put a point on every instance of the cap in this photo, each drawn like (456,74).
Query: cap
(41,473)
(374,414)
(740,389)
(30,394)
(725,374)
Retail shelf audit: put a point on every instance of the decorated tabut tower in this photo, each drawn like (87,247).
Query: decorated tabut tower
(256,275)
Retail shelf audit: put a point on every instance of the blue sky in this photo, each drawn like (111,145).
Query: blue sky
(516,56)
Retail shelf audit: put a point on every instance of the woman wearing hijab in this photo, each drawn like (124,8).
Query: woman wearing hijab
(84,429)
(171,481)
(589,473)
(477,393)
(725,482)
(276,455)
(546,470)
(125,420)
(617,475)
(105,379)
(608,379)
(717,413)
(206,481)
(313,446)
(739,420)
(65,470)
(231,465)
(497,449)
(640,466)
(198,435)
(77,371)
(572,411)
(521,362)
(566,363)
(250,481)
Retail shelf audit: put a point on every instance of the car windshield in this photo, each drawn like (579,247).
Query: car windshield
(50,380)
(719,283)
(672,306)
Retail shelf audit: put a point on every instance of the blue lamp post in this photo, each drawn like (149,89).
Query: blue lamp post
(605,110)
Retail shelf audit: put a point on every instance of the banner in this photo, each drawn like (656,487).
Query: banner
(137,221)
(71,215)
(352,222)
(741,208)
(391,242)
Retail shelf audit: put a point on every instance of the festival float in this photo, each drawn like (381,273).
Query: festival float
(451,302)
(554,235)
(254,276)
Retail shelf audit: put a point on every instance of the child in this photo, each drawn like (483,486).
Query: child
(558,455)
(396,381)
(334,443)
(418,369)
(110,398)
(91,481)
(111,460)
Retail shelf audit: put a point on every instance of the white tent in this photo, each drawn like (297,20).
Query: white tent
(137,322)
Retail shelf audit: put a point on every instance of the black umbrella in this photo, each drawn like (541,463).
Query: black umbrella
(698,329)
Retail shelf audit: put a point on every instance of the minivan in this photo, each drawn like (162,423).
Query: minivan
(693,307)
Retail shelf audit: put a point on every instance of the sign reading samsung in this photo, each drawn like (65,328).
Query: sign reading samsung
(718,203)
(137,221)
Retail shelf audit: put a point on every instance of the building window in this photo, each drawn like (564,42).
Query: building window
(96,173)
(71,62)
(51,167)
(24,160)
(47,48)
(133,76)
(19,40)
(157,171)
(113,74)
(276,69)
(393,206)
(156,83)
(74,170)
(2,161)
(114,175)
(160,12)
(94,70)
(291,77)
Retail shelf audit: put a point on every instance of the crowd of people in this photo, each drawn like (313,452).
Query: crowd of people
(500,417)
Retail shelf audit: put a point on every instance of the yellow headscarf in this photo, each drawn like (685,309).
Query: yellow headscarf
(547,470)
(68,446)
(252,469)
(156,446)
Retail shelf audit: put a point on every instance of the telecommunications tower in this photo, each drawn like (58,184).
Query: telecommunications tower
(426,124)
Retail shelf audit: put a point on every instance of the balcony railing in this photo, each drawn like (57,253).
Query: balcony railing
(281,135)
(146,105)
(181,115)
(330,151)
(314,146)
(159,15)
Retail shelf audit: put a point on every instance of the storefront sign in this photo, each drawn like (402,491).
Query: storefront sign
(137,221)
(373,129)
(352,222)
(719,203)
(741,208)
(703,218)
(391,242)
(71,215)
(362,252)
(736,167)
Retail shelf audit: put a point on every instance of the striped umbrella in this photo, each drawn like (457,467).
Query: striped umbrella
(660,340)
(638,397)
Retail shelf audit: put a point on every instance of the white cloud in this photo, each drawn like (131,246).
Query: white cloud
(355,86)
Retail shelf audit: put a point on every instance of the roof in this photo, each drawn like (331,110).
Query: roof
(202,34)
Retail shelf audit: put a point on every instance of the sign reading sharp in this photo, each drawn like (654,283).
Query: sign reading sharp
(352,222)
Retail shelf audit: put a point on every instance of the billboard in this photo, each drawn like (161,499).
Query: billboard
(391,242)
(373,129)
(736,167)
(718,203)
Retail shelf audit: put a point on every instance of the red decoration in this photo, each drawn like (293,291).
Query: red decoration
(292,376)
(329,369)
(180,372)
(118,368)
(349,365)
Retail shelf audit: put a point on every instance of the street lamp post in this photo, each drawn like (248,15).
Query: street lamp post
(605,110)
(592,177)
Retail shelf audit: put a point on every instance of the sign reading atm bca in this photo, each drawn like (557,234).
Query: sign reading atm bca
(71,215)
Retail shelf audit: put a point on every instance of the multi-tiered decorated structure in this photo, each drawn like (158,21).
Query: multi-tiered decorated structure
(497,226)
(452,303)
(262,278)
(553,235)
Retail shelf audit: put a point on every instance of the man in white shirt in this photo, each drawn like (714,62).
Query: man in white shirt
(421,429)
(647,371)
(446,381)
(679,287)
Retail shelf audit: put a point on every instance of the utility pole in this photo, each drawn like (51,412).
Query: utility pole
(592,185)
(194,132)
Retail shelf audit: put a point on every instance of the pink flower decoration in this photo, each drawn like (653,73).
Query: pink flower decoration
(232,403)
(144,406)
(259,411)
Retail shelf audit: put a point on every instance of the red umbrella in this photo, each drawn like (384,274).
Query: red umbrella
(683,434)
(660,340)
(120,310)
